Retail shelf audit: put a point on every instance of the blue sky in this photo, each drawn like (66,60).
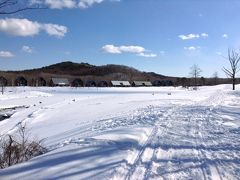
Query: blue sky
(163,36)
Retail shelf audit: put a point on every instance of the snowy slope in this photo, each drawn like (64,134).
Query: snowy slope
(128,133)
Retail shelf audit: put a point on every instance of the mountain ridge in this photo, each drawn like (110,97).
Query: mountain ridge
(86,69)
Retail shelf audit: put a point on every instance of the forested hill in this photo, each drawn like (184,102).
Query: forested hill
(84,69)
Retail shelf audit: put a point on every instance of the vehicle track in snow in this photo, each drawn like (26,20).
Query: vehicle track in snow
(188,142)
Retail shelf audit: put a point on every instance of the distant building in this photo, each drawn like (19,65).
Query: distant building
(141,83)
(167,83)
(20,81)
(59,82)
(77,83)
(120,83)
(90,83)
(157,83)
(41,81)
(103,84)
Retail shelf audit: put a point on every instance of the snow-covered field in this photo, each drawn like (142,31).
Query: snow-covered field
(127,133)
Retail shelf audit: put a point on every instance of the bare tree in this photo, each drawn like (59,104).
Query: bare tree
(203,81)
(2,87)
(2,84)
(184,82)
(233,58)
(14,6)
(195,73)
(215,77)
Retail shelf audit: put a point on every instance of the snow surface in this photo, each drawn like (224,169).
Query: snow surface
(127,133)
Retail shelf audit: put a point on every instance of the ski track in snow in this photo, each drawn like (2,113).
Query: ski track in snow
(187,143)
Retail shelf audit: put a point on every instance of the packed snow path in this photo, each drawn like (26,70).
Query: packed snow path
(171,139)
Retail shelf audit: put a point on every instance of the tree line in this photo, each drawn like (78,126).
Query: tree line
(231,71)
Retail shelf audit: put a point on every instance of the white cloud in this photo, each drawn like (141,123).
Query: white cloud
(225,36)
(131,49)
(6,54)
(56,4)
(25,27)
(151,55)
(88,3)
(60,4)
(55,30)
(120,49)
(191,48)
(27,49)
(19,27)
(138,50)
(205,35)
(189,36)
(193,36)
(219,53)
(111,49)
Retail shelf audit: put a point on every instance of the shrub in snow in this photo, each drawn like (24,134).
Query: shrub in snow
(18,148)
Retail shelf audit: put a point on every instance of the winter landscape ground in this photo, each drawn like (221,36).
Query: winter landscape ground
(127,133)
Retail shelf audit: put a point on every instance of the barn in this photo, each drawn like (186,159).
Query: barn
(120,83)
(59,82)
(141,83)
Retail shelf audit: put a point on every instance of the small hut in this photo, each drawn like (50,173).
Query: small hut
(120,83)
(141,83)
(20,81)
